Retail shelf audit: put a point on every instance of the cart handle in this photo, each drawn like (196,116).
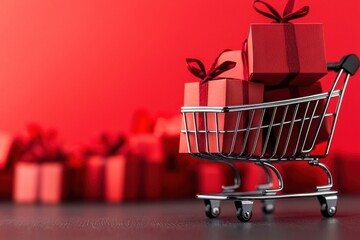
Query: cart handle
(350,64)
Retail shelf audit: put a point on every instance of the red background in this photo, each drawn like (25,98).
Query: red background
(86,66)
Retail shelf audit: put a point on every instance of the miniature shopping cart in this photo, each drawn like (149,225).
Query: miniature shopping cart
(276,119)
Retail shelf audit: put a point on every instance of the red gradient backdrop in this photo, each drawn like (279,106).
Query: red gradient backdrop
(85,66)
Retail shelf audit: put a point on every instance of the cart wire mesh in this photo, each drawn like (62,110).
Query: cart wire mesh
(271,131)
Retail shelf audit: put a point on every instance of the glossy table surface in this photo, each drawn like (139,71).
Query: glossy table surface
(293,219)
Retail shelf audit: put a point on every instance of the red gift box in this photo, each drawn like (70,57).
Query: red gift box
(94,178)
(105,148)
(179,169)
(295,92)
(223,92)
(6,183)
(115,172)
(147,150)
(40,172)
(282,54)
(348,167)
(219,93)
(211,177)
(75,176)
(51,182)
(6,143)
(35,182)
(26,182)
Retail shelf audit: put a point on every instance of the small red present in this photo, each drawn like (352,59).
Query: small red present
(283,53)
(51,182)
(74,175)
(219,93)
(212,176)
(40,172)
(115,176)
(26,182)
(148,150)
(106,147)
(348,167)
(178,169)
(6,145)
(6,183)
(134,176)
(94,178)
(297,137)
(38,182)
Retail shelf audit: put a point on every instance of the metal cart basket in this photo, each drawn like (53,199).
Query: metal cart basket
(275,122)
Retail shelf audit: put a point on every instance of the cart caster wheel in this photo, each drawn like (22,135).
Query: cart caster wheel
(328,205)
(268,207)
(244,210)
(327,211)
(212,208)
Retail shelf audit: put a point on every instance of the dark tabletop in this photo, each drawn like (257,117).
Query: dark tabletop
(293,219)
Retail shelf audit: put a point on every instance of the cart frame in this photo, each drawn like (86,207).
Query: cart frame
(313,118)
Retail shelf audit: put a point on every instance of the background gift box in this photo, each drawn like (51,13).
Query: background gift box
(115,176)
(347,166)
(148,152)
(39,174)
(106,147)
(179,171)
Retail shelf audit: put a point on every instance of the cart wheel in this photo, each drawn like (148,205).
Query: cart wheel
(212,208)
(328,205)
(327,211)
(244,210)
(268,206)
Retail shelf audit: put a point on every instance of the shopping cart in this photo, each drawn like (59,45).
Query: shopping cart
(269,126)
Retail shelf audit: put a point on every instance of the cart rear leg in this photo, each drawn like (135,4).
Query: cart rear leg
(244,210)
(212,208)
(268,206)
(328,205)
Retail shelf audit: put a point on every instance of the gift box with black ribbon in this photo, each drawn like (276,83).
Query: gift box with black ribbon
(284,53)
(39,174)
(219,92)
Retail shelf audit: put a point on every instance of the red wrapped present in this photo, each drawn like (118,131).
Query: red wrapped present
(94,178)
(348,167)
(51,182)
(40,173)
(74,175)
(115,176)
(38,182)
(147,149)
(212,176)
(106,147)
(26,182)
(179,169)
(6,145)
(295,92)
(283,53)
(219,92)
(134,176)
(6,183)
